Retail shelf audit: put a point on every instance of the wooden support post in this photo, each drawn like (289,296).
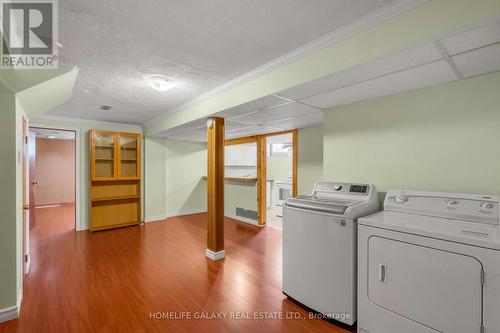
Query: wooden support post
(261,180)
(215,194)
(295,162)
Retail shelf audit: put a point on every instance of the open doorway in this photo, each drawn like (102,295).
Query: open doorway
(279,181)
(52,173)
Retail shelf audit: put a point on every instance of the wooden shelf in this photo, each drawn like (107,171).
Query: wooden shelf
(114,179)
(116,198)
(238,179)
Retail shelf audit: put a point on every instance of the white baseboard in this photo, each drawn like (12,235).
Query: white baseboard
(82,228)
(157,218)
(154,218)
(186,212)
(9,313)
(244,219)
(215,255)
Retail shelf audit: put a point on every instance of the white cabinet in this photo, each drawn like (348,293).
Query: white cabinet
(241,155)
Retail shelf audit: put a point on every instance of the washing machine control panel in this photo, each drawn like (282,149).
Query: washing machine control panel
(347,188)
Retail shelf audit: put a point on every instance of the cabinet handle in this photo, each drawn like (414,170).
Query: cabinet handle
(382,273)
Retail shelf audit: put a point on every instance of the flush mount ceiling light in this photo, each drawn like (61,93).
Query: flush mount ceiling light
(160,82)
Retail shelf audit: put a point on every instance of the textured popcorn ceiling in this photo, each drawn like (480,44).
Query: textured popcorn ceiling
(201,44)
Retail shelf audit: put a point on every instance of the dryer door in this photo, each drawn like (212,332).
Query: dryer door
(437,289)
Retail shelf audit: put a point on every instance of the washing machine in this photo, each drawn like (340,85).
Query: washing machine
(319,247)
(429,263)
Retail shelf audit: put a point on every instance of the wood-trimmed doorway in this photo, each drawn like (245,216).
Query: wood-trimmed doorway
(260,140)
(56,134)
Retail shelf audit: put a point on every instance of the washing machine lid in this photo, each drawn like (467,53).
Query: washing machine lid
(350,200)
(315,203)
(458,231)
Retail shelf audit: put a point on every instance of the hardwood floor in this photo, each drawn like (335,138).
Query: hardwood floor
(121,280)
(53,221)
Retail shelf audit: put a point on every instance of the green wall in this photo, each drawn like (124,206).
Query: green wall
(310,161)
(186,164)
(8,202)
(155,203)
(239,194)
(443,138)
(84,126)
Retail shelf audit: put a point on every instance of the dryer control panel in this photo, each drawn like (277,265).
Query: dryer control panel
(468,207)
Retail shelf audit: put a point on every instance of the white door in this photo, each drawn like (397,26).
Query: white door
(437,289)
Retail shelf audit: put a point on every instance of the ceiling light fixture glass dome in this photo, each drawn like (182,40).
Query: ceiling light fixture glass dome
(160,82)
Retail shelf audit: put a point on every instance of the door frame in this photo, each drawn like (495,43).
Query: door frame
(25,229)
(78,225)
(261,142)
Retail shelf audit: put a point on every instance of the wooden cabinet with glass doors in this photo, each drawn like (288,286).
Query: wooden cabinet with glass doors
(115,179)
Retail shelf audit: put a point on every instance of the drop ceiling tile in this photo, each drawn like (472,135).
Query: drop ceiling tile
(314,119)
(231,126)
(252,131)
(472,39)
(479,61)
(255,105)
(280,112)
(415,78)
(386,65)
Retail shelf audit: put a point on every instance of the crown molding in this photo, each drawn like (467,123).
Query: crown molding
(383,14)
(85,121)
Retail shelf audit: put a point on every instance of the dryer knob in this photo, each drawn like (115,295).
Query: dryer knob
(401,198)
(486,205)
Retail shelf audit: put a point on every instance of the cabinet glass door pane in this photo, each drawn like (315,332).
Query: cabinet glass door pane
(128,156)
(104,156)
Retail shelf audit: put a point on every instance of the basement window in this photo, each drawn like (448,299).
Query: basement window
(279,149)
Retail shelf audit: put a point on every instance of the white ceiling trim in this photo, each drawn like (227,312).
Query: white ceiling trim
(87,121)
(335,36)
(448,59)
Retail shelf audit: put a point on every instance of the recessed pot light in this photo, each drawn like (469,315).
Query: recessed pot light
(51,137)
(160,82)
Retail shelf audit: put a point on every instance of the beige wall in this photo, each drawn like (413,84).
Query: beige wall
(443,138)
(55,171)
